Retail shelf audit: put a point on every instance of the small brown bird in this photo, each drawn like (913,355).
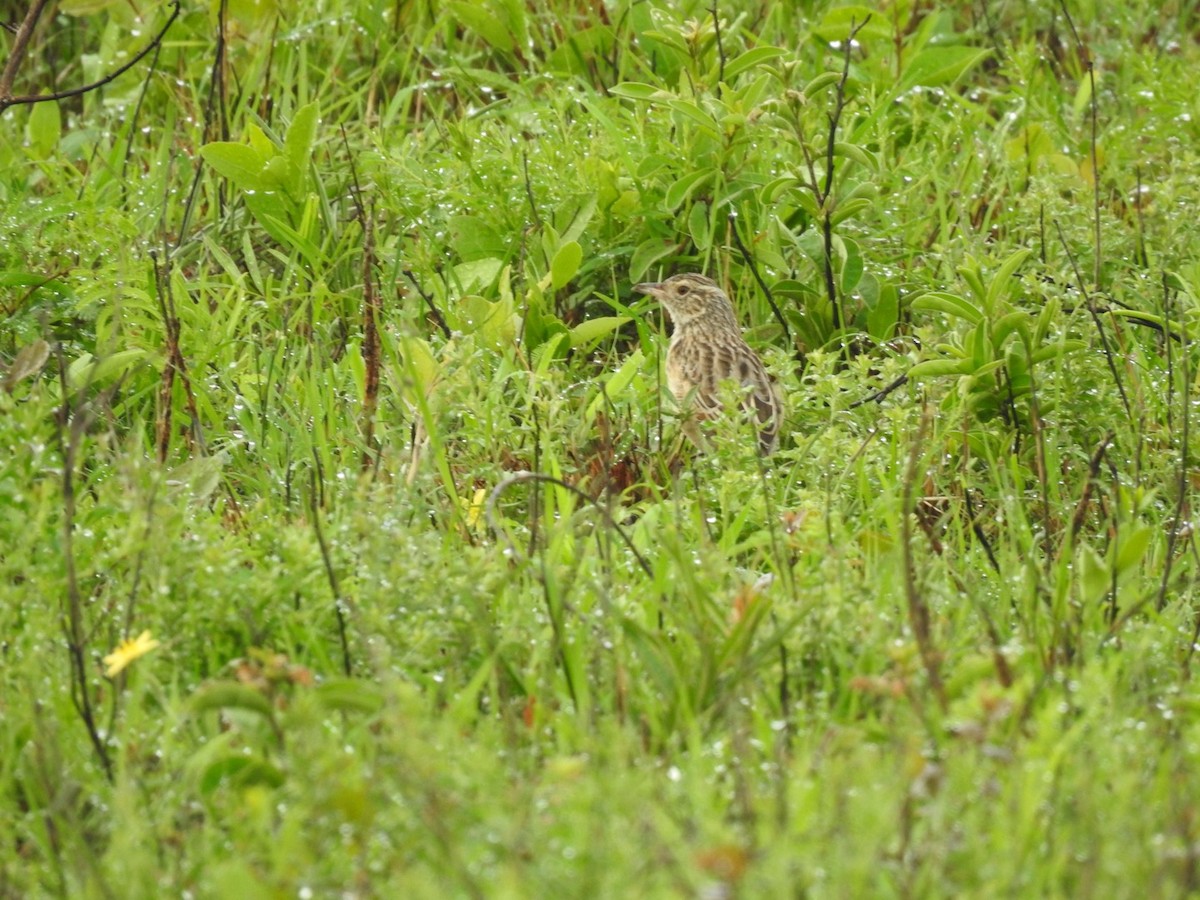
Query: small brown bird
(707,348)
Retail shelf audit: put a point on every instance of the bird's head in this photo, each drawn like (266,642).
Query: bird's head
(689,296)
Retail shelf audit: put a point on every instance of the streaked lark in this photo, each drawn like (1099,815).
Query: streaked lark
(707,349)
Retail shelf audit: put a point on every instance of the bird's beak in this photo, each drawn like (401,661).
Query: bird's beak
(649,287)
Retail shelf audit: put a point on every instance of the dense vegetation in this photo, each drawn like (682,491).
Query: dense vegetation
(291,309)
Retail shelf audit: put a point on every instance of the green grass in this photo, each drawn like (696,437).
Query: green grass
(393,665)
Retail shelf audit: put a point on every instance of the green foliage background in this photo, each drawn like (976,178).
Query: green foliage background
(942,643)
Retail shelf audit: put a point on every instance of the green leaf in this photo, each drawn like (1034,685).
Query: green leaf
(937,66)
(298,144)
(1132,547)
(884,315)
(683,187)
(750,59)
(228,695)
(45,128)
(698,226)
(87,370)
(852,266)
(240,771)
(565,264)
(349,695)
(936,367)
(860,155)
(690,110)
(590,330)
(647,254)
(477,275)
(1095,576)
(635,90)
(848,209)
(950,304)
(240,163)
(1002,280)
(484,24)
(616,383)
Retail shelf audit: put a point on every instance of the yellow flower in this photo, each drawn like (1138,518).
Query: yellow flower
(475,507)
(127,651)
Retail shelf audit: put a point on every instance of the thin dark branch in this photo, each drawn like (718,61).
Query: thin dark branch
(1095,314)
(1085,498)
(539,478)
(1086,59)
(919,618)
(737,239)
(1182,485)
(438,318)
(879,396)
(6,79)
(537,219)
(339,601)
(17,55)
(830,146)
(137,110)
(72,423)
(720,47)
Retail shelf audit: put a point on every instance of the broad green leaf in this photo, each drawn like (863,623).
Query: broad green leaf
(616,384)
(45,128)
(483,23)
(477,275)
(647,254)
(690,110)
(683,187)
(419,366)
(847,209)
(1095,577)
(936,367)
(835,25)
(590,330)
(565,264)
(1132,547)
(634,90)
(698,226)
(240,163)
(1002,280)
(228,695)
(750,59)
(349,695)
(88,370)
(884,315)
(241,771)
(298,144)
(937,66)
(859,155)
(951,304)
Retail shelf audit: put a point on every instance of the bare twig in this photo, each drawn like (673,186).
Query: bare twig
(830,145)
(339,602)
(1095,314)
(1182,485)
(72,422)
(1086,59)
(737,239)
(438,318)
(539,478)
(14,62)
(918,610)
(879,396)
(720,47)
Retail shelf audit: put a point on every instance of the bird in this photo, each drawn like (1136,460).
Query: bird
(706,349)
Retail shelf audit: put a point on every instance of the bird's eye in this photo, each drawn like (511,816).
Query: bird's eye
(682,289)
